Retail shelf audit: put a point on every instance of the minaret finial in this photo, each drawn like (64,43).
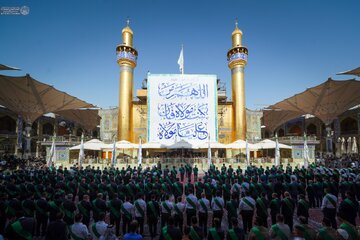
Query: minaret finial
(236,22)
(128,21)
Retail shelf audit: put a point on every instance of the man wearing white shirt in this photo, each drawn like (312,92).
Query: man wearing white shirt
(79,230)
(99,228)
(328,206)
(191,206)
(140,210)
(247,207)
(127,210)
(166,208)
(179,209)
(204,207)
(217,205)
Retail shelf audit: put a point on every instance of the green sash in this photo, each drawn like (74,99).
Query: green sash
(237,189)
(165,233)
(53,205)
(83,210)
(40,210)
(95,207)
(18,228)
(325,235)
(214,234)
(232,234)
(167,208)
(278,232)
(248,203)
(113,210)
(258,233)
(193,234)
(289,204)
(73,236)
(177,210)
(348,201)
(28,211)
(218,203)
(350,230)
(203,205)
(10,211)
(94,230)
(177,187)
(232,208)
(126,212)
(139,209)
(226,189)
(331,200)
(276,201)
(191,203)
(129,189)
(304,203)
(152,208)
(68,213)
(262,205)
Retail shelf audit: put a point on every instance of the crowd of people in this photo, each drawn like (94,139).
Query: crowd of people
(172,204)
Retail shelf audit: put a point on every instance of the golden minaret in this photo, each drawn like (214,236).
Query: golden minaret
(237,59)
(126,58)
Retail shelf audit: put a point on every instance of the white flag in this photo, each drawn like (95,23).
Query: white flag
(181,61)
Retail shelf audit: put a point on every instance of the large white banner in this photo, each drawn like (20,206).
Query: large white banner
(182,107)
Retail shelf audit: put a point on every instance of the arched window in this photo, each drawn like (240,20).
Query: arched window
(7,125)
(311,129)
(349,126)
(48,129)
(281,132)
(295,130)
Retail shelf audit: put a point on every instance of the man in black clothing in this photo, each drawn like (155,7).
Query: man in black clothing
(262,208)
(69,209)
(98,206)
(152,212)
(115,207)
(235,233)
(57,229)
(84,207)
(274,207)
(303,208)
(20,229)
(216,233)
(196,233)
(349,208)
(42,208)
(170,232)
(287,209)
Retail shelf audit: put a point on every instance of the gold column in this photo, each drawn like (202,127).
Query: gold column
(237,59)
(126,58)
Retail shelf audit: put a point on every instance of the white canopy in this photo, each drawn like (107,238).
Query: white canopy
(182,144)
(151,145)
(212,145)
(123,144)
(93,144)
(240,144)
(269,144)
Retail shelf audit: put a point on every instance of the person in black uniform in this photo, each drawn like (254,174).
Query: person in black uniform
(152,213)
(57,229)
(216,233)
(303,208)
(115,207)
(232,208)
(84,207)
(262,208)
(235,232)
(287,209)
(311,194)
(42,208)
(170,232)
(98,206)
(196,233)
(69,209)
(20,227)
(54,207)
(274,207)
(349,208)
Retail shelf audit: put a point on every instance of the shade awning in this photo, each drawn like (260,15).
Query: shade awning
(5,67)
(355,72)
(87,118)
(269,144)
(93,144)
(182,144)
(215,145)
(325,101)
(31,99)
(151,145)
(240,144)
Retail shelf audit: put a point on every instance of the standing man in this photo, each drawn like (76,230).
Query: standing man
(262,209)
(303,208)
(115,208)
(328,207)
(179,209)
(140,210)
(152,213)
(217,205)
(204,206)
(274,207)
(166,208)
(232,208)
(191,206)
(127,210)
(41,212)
(98,206)
(349,208)
(247,207)
(84,207)
(287,209)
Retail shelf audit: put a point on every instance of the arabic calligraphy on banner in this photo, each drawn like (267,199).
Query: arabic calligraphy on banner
(182,107)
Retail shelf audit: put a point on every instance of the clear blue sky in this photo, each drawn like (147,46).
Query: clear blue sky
(292,44)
